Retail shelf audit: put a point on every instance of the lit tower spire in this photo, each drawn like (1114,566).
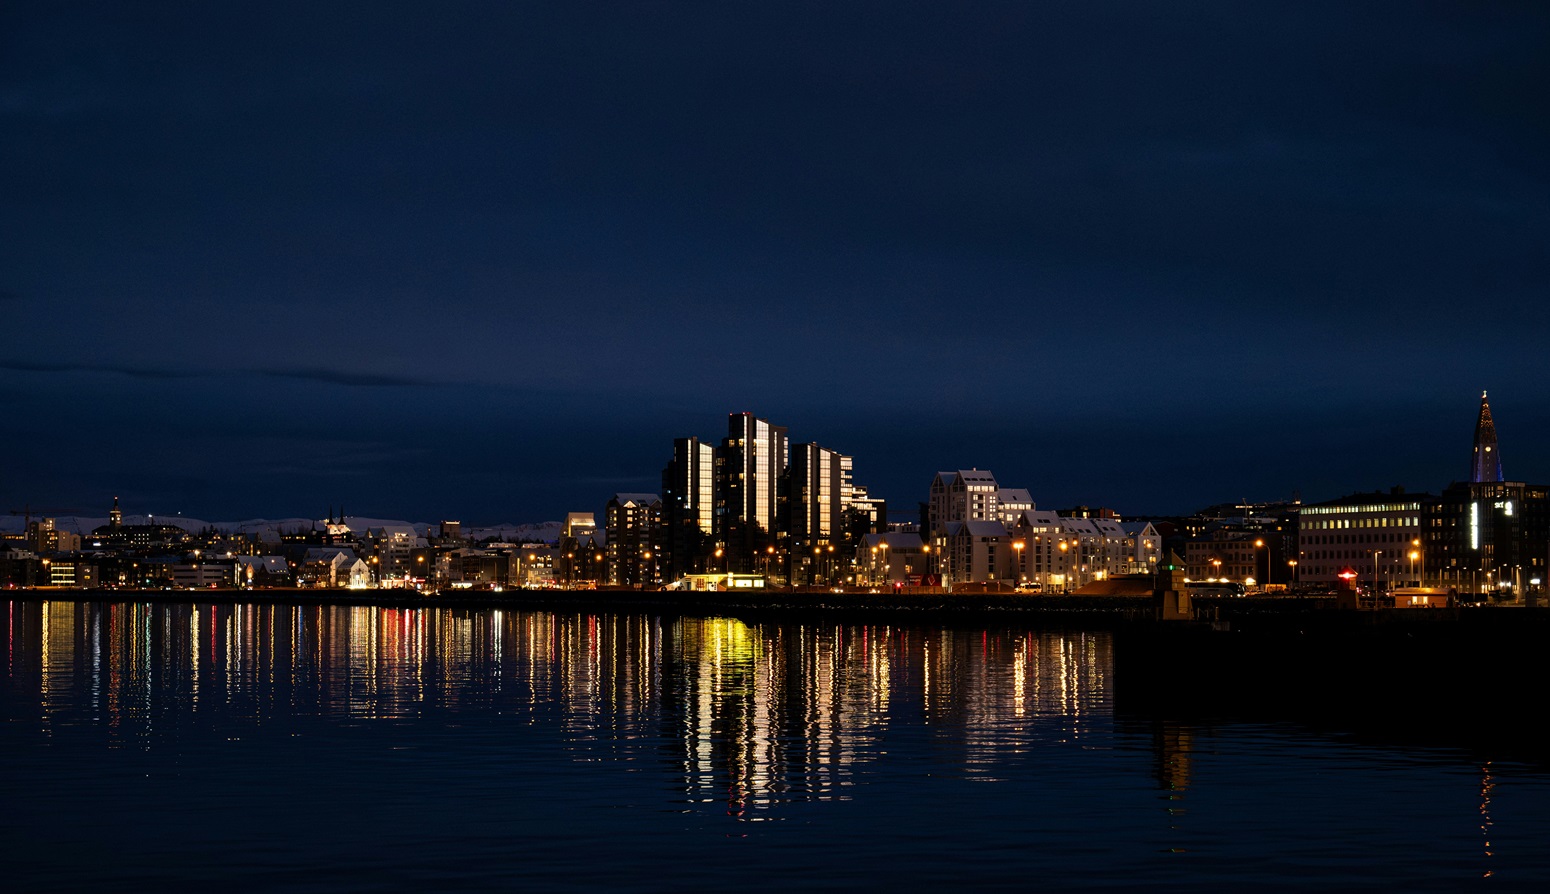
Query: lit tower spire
(1488,458)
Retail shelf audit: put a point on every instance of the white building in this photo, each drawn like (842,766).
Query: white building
(976,551)
(964,495)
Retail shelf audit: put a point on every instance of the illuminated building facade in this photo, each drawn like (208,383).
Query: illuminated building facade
(1489,539)
(1045,556)
(1053,552)
(818,496)
(1012,502)
(688,507)
(1371,534)
(976,552)
(633,528)
(963,496)
(1486,538)
(750,464)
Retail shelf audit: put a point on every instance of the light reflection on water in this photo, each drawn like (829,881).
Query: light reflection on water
(435,746)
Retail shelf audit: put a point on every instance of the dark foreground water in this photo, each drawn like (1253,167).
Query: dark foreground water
(155,748)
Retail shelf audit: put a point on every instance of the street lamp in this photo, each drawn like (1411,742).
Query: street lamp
(1021,577)
(887,572)
(1418,554)
(1292,564)
(1218,565)
(1259,544)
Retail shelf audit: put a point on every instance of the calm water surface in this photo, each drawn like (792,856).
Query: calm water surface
(259,747)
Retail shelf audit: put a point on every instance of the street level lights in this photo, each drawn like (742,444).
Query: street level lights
(1021,577)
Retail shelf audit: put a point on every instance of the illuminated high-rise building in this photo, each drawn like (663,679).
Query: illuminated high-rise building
(688,507)
(749,466)
(818,495)
(633,524)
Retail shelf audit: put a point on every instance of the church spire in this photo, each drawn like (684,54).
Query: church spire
(1488,457)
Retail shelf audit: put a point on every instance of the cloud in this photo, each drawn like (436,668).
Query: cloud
(325,376)
(345,377)
(136,372)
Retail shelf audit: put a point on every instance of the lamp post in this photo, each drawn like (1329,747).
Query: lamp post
(1217,564)
(1292,573)
(1065,567)
(1415,546)
(1022,578)
(1375,554)
(1259,544)
(887,571)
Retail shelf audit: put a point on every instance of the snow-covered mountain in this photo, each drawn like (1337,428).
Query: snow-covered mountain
(548,532)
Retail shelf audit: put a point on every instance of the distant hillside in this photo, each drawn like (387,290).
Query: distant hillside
(548,532)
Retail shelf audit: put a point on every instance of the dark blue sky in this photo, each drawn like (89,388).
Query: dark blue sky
(486,260)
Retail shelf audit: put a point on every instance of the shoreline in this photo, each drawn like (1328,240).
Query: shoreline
(693,603)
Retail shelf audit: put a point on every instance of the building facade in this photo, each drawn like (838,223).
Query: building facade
(633,535)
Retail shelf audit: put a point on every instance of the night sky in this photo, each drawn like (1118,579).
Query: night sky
(485,261)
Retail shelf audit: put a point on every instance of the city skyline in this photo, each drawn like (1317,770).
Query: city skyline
(906,507)
(483,262)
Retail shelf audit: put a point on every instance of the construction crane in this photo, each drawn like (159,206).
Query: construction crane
(27,511)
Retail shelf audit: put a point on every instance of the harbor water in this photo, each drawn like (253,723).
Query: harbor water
(270,747)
